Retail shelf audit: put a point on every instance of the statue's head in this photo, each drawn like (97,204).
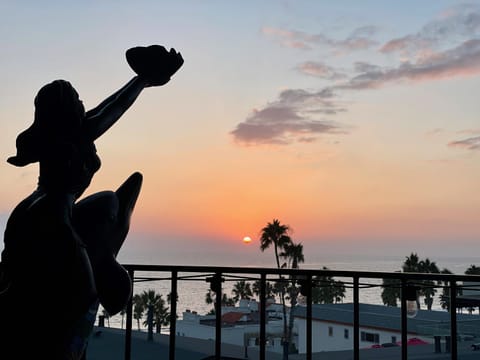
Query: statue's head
(59,115)
(59,111)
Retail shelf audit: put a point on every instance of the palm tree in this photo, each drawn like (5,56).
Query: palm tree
(391,292)
(138,309)
(445,295)
(293,254)
(270,290)
(277,234)
(428,286)
(210,297)
(411,263)
(328,290)
(473,270)
(160,315)
(242,290)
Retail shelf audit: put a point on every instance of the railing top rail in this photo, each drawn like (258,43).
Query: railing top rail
(302,272)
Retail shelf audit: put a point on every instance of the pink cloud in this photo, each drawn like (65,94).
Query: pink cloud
(472,143)
(359,39)
(463,60)
(319,69)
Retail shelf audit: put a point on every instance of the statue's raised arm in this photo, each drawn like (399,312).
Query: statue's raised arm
(154,66)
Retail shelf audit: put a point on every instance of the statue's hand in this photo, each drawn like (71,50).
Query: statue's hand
(154,63)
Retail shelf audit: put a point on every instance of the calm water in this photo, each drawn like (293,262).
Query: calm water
(192,291)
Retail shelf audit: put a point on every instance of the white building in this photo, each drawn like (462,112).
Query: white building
(332,326)
(240,325)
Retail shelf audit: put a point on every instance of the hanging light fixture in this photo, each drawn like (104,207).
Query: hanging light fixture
(411,300)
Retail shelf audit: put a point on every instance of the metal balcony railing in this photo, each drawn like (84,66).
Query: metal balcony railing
(215,275)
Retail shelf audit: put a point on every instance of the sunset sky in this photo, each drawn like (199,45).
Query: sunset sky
(354,122)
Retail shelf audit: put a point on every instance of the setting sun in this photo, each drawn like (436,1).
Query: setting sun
(247,240)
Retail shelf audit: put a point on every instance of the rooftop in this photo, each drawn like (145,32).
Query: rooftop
(387,317)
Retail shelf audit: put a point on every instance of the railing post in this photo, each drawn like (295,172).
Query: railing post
(309,317)
(404,319)
(128,324)
(356,318)
(216,286)
(453,319)
(306,286)
(263,314)
(173,316)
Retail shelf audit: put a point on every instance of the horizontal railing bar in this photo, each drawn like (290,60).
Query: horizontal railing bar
(299,272)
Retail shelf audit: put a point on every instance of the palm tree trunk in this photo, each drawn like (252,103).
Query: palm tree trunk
(276,256)
(293,303)
(284,309)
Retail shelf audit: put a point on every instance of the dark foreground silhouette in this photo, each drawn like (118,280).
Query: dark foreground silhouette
(59,259)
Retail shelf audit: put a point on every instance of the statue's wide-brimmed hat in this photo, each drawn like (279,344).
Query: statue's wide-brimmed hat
(54,107)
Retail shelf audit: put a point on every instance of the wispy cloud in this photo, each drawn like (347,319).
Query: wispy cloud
(359,39)
(470,131)
(462,60)
(319,102)
(435,132)
(291,38)
(472,143)
(459,22)
(320,70)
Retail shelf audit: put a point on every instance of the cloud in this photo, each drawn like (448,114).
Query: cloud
(281,126)
(459,22)
(320,70)
(470,131)
(435,132)
(319,102)
(472,143)
(359,39)
(288,119)
(361,66)
(293,39)
(404,43)
(462,60)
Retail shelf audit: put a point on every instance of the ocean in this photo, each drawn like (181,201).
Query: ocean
(191,292)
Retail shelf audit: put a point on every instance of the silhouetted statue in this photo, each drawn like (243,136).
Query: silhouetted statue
(58,261)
